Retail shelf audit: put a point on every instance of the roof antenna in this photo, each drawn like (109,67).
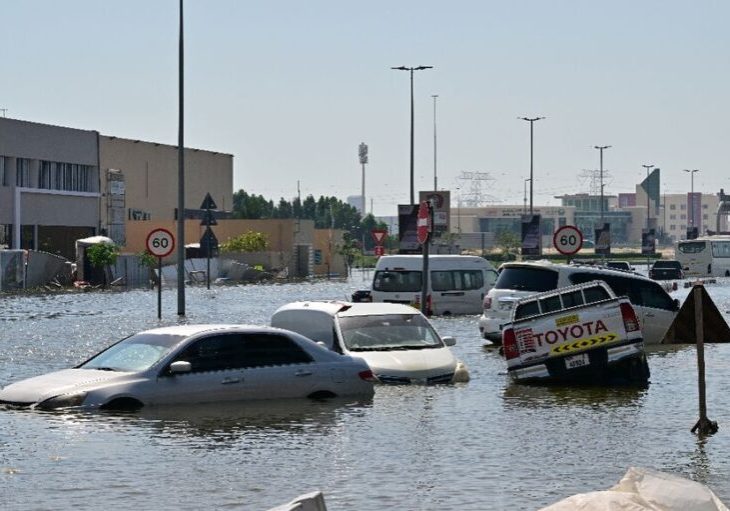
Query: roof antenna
(4,111)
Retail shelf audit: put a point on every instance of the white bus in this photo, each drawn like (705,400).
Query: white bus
(457,284)
(704,256)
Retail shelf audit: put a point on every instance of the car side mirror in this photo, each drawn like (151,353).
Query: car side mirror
(180,367)
(449,340)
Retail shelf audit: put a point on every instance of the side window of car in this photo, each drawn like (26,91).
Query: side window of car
(653,295)
(527,309)
(262,349)
(213,353)
(595,294)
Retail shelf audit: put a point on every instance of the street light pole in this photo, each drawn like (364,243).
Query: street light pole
(411,69)
(435,180)
(692,195)
(524,195)
(531,120)
(647,167)
(600,149)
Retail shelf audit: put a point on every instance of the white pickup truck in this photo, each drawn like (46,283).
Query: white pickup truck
(578,334)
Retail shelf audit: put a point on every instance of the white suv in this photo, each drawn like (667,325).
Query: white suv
(655,308)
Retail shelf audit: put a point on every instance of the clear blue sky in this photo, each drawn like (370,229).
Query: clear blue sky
(290,88)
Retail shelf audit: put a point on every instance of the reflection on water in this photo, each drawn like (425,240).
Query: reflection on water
(533,396)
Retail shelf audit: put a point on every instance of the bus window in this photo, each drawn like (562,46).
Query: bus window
(721,249)
(691,247)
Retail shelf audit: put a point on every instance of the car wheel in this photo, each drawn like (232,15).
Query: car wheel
(322,394)
(123,404)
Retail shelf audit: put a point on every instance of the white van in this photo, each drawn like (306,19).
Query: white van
(457,284)
(398,342)
(654,307)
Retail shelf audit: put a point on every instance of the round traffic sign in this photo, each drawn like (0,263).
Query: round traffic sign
(160,243)
(423,225)
(568,240)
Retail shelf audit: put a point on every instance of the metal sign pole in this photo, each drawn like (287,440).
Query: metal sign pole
(159,288)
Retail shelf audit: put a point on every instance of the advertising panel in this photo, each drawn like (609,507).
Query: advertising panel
(531,238)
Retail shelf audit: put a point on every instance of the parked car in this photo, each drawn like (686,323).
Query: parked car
(654,307)
(194,364)
(619,265)
(664,269)
(397,341)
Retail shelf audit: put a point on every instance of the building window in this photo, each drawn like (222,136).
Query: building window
(704,217)
(672,217)
(673,227)
(683,227)
(683,217)
(3,166)
(71,177)
(704,206)
(22,172)
(682,207)
(672,206)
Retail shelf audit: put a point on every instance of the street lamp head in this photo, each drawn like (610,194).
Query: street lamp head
(401,68)
(419,68)
(601,146)
(691,171)
(531,119)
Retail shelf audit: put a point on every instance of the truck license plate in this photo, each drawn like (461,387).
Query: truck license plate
(576,361)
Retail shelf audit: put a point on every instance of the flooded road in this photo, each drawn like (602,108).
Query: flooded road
(483,445)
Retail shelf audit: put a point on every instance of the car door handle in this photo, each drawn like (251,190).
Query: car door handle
(227,381)
(303,373)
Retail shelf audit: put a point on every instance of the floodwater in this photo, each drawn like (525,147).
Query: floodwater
(487,444)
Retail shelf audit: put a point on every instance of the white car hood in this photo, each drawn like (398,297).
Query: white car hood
(39,388)
(414,363)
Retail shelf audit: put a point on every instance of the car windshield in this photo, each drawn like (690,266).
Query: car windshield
(388,332)
(133,354)
(527,279)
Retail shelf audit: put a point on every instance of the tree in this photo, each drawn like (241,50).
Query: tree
(509,243)
(248,242)
(102,255)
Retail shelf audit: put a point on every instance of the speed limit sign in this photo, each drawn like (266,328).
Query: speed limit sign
(160,243)
(568,240)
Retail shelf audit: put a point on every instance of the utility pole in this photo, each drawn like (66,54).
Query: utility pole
(435,179)
(600,149)
(181,181)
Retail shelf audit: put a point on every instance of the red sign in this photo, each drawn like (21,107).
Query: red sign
(423,225)
(379,235)
(379,250)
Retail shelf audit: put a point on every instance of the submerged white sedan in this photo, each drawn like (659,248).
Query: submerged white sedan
(398,342)
(195,364)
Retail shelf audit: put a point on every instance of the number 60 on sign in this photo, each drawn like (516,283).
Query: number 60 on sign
(160,243)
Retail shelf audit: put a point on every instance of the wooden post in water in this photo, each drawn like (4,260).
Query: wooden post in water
(704,425)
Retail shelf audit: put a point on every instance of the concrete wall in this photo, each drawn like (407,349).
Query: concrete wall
(151,176)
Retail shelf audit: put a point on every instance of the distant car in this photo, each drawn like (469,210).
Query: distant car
(619,265)
(362,295)
(194,364)
(397,341)
(664,269)
(588,244)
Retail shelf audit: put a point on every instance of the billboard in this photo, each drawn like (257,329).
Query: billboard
(648,242)
(407,229)
(531,238)
(603,240)
(441,204)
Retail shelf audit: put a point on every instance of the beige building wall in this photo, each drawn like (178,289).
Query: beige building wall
(150,179)
(327,243)
(676,217)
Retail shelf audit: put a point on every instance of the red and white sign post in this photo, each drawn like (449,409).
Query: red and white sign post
(423,234)
(379,236)
(160,243)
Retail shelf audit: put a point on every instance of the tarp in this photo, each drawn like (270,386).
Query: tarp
(643,489)
(682,329)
